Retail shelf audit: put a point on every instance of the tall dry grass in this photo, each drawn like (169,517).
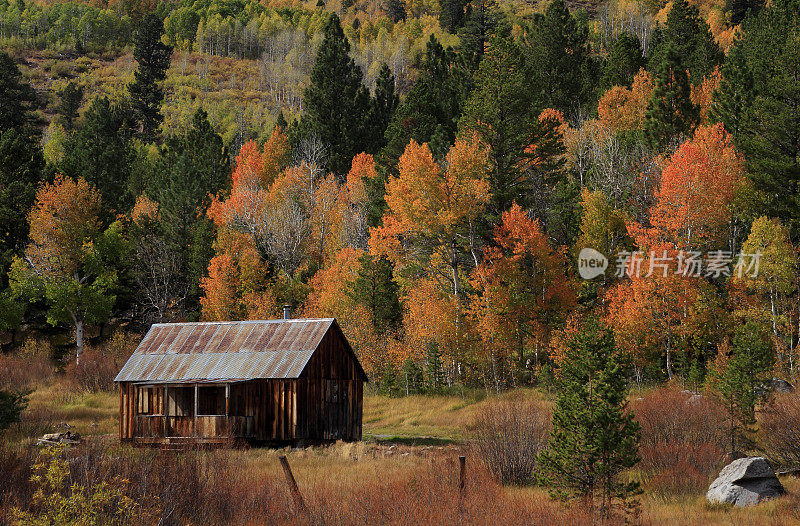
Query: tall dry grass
(235,487)
(27,368)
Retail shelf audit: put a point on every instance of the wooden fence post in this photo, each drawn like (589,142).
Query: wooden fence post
(462,482)
(296,495)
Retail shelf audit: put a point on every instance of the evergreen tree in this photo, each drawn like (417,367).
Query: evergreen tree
(375,289)
(758,102)
(153,57)
(501,111)
(70,98)
(734,97)
(11,407)
(396,9)
(336,102)
(594,437)
(742,382)
(558,58)
(19,103)
(434,103)
(482,20)
(691,37)
(670,111)
(192,168)
(623,62)
(99,153)
(451,15)
(382,107)
(741,9)
(21,160)
(280,122)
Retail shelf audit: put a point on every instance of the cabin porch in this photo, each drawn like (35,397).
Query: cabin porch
(198,412)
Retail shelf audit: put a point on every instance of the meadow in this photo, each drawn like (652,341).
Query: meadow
(405,471)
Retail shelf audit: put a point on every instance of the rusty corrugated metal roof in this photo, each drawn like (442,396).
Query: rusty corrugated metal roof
(224,351)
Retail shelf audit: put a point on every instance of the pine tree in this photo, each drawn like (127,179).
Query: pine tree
(741,9)
(500,110)
(623,62)
(102,155)
(558,58)
(594,437)
(743,380)
(451,16)
(19,103)
(375,289)
(396,10)
(153,58)
(432,107)
(70,98)
(21,160)
(692,40)
(336,102)
(482,19)
(382,107)
(670,111)
(192,168)
(758,102)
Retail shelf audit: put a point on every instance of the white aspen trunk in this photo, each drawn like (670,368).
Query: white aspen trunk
(78,340)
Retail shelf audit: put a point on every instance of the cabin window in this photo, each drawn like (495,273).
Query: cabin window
(148,401)
(181,401)
(211,400)
(334,393)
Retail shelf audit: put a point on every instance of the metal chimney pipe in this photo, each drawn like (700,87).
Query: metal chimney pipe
(287,312)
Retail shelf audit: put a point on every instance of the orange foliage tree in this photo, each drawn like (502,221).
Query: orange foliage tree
(69,262)
(623,109)
(521,292)
(429,234)
(664,302)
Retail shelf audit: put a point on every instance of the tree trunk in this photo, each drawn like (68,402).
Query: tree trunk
(78,341)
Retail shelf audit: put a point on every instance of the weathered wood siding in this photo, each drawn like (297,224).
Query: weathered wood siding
(331,393)
(325,403)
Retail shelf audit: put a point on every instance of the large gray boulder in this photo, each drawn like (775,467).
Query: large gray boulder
(745,482)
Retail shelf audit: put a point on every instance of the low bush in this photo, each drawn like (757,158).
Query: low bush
(683,440)
(779,428)
(509,435)
(101,363)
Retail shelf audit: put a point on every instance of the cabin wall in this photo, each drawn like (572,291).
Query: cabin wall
(331,393)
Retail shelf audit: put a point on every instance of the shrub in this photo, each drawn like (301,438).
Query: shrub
(509,436)
(780,429)
(682,433)
(27,368)
(101,363)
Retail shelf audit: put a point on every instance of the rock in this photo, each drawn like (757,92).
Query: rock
(780,386)
(59,438)
(745,482)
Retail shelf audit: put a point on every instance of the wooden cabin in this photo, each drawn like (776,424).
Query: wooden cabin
(272,381)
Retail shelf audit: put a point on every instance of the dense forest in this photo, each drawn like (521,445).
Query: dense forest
(431,173)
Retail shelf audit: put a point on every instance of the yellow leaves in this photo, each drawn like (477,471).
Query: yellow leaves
(623,109)
(769,239)
(429,202)
(63,220)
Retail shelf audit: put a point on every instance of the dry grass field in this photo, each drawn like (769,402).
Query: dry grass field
(404,472)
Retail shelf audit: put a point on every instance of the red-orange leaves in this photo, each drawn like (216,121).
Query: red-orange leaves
(521,287)
(694,201)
